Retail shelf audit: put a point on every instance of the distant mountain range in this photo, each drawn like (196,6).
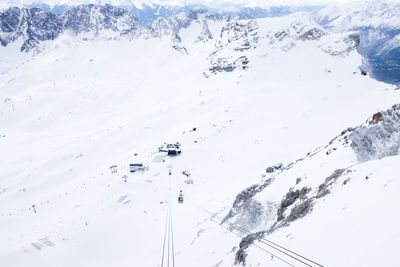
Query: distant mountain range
(378,26)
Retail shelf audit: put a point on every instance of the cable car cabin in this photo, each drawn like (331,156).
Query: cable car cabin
(180,199)
(174,152)
(134,167)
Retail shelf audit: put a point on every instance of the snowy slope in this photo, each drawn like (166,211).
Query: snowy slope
(73,108)
(353,225)
(294,191)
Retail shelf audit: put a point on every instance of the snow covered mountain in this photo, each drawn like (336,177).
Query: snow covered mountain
(92,18)
(379,27)
(32,25)
(287,144)
(36,25)
(375,23)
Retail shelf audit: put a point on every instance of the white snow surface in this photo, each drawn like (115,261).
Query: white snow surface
(75,108)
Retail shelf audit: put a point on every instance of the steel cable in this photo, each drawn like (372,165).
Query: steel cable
(262,240)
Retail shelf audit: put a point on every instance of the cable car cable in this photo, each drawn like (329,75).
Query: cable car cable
(165,235)
(262,240)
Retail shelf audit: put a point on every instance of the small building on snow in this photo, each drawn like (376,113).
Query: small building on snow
(134,167)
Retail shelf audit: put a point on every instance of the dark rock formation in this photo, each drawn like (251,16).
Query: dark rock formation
(247,241)
(289,199)
(379,137)
(35,25)
(95,18)
(224,65)
(323,188)
(312,34)
(300,210)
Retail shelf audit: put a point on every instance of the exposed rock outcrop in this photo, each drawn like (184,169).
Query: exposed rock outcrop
(379,137)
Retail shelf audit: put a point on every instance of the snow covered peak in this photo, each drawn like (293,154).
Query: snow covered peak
(95,18)
(175,24)
(35,25)
(32,25)
(355,16)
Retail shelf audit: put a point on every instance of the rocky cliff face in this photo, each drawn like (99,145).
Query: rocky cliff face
(235,38)
(174,24)
(94,18)
(379,137)
(35,25)
(32,25)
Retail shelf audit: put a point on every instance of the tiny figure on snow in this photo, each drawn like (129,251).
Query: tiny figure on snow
(180,198)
